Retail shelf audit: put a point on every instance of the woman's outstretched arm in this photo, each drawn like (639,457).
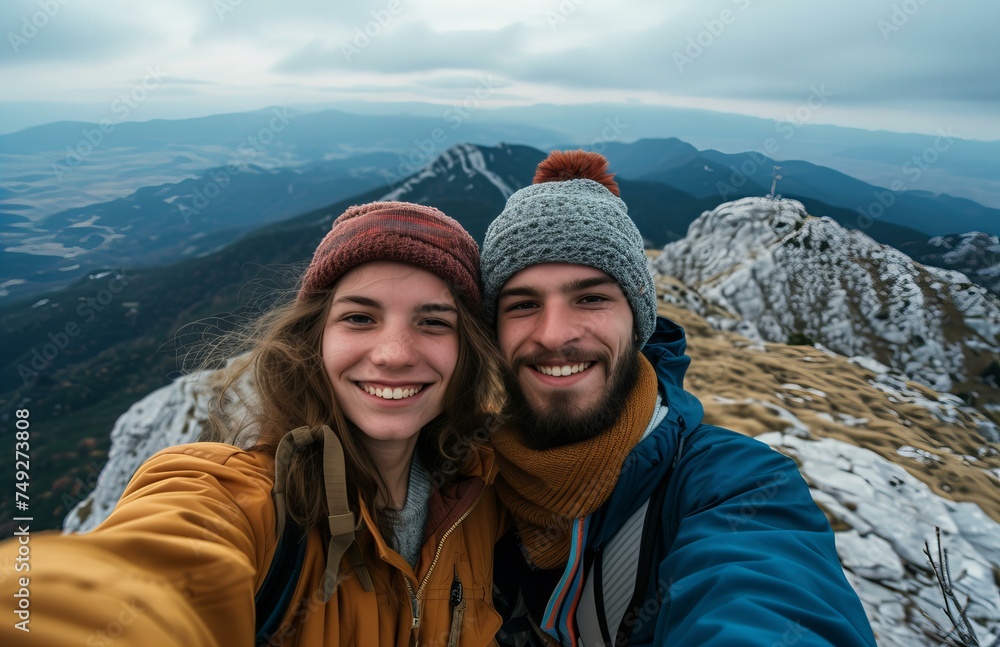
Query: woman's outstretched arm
(176,563)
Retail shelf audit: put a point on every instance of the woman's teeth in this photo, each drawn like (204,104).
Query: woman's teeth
(559,371)
(389,393)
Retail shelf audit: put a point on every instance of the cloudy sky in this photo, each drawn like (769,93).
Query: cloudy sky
(903,65)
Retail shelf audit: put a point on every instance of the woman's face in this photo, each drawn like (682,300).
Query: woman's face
(390,346)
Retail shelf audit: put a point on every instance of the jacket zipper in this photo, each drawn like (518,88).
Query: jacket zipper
(415,597)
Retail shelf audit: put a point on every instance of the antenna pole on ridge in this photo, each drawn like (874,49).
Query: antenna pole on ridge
(774,184)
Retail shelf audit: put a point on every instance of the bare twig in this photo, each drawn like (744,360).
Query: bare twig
(962,633)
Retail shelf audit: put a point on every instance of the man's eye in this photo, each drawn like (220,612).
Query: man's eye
(593,298)
(521,305)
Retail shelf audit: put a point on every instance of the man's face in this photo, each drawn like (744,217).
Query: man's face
(566,332)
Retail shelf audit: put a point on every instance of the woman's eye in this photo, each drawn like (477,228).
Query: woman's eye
(437,323)
(358,319)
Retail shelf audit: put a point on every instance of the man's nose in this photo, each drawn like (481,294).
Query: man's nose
(556,327)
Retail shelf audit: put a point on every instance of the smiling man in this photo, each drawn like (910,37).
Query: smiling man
(634,523)
(568,333)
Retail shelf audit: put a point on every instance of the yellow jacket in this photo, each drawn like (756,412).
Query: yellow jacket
(179,559)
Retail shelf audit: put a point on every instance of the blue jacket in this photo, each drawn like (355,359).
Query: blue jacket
(747,557)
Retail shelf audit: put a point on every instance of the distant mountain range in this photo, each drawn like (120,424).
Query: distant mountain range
(942,162)
(157,225)
(669,183)
(86,352)
(82,163)
(730,176)
(57,166)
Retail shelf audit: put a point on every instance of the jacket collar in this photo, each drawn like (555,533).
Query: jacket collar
(651,459)
(448,501)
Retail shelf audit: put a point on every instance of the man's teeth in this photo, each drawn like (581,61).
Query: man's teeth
(388,393)
(567,369)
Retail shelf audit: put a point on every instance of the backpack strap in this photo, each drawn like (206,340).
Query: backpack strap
(650,536)
(636,539)
(272,599)
(612,577)
(340,519)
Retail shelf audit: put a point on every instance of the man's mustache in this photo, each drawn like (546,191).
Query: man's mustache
(571,355)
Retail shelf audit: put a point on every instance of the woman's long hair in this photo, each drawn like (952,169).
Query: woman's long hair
(279,383)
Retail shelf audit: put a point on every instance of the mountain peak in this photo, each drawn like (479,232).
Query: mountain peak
(460,161)
(756,222)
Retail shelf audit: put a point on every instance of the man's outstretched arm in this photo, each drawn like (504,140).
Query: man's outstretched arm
(753,560)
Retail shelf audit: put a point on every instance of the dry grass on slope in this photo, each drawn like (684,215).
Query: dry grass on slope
(837,399)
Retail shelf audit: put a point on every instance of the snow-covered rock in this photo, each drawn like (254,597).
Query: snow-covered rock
(975,254)
(786,274)
(173,415)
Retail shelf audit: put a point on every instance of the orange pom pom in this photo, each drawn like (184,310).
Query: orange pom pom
(560,166)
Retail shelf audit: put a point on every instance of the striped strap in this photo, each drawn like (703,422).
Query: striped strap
(559,618)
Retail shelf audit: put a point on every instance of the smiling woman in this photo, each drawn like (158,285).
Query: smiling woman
(363,513)
(390,346)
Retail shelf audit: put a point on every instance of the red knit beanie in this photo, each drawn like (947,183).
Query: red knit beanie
(400,232)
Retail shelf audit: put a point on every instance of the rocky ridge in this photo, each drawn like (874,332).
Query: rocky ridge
(773,272)
(975,254)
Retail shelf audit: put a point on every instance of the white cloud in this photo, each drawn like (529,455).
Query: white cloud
(903,63)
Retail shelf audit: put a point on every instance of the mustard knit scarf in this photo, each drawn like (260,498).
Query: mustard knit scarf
(546,489)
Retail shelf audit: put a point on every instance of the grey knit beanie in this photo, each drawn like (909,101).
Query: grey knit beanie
(571,214)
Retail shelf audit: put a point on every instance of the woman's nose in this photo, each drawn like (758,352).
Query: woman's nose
(394,348)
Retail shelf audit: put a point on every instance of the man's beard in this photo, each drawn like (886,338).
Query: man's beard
(562,423)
